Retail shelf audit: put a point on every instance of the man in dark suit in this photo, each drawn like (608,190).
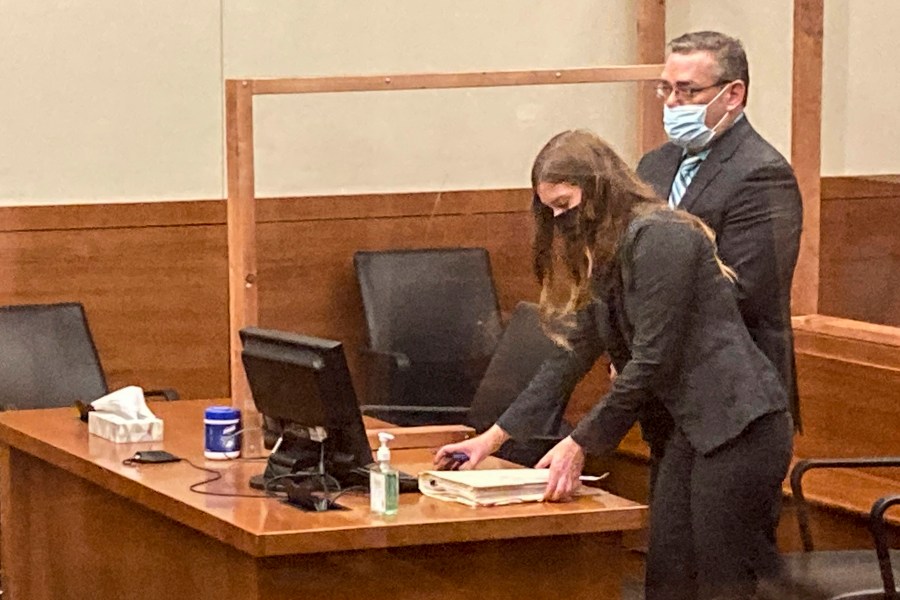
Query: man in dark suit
(719,168)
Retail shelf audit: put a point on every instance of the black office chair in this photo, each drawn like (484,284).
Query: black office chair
(519,354)
(433,322)
(48,358)
(843,574)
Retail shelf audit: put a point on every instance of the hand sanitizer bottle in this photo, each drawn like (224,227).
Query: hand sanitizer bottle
(384,481)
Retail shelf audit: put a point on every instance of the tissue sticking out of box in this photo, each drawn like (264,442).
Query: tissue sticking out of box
(122,416)
(128,403)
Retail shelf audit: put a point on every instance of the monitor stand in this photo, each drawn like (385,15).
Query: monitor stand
(299,455)
(282,462)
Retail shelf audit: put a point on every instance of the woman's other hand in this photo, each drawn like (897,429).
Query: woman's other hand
(565,461)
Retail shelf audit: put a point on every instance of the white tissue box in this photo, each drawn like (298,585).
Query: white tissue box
(117,429)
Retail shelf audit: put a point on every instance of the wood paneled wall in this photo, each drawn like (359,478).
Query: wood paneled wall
(860,251)
(153,277)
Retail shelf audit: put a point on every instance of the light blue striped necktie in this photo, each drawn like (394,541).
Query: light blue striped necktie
(686,172)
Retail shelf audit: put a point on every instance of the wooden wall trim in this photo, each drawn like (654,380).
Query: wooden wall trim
(860,187)
(106,216)
(165,213)
(162,213)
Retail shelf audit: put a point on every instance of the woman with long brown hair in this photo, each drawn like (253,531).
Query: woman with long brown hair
(621,272)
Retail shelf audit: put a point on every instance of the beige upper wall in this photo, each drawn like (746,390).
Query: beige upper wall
(121,100)
(425,140)
(109,100)
(860,119)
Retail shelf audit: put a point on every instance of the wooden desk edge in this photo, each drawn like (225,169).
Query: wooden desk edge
(619,520)
(427,436)
(325,540)
(135,491)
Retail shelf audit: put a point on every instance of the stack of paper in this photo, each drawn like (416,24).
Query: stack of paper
(486,487)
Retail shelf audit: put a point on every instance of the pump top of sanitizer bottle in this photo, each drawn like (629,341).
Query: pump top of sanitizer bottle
(383,456)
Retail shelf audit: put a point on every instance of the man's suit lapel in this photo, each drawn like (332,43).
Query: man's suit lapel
(720,153)
(705,174)
(669,162)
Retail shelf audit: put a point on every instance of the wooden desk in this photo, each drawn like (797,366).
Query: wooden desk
(76,523)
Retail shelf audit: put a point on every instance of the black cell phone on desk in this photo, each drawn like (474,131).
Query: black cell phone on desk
(149,457)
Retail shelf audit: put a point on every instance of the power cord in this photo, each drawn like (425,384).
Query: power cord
(311,499)
(217,475)
(151,457)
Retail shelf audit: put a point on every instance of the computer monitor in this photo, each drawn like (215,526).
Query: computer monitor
(301,385)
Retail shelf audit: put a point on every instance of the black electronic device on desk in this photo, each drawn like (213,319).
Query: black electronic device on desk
(302,387)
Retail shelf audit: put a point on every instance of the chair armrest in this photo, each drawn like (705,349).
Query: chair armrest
(878,528)
(405,415)
(396,360)
(803,466)
(166,393)
(385,374)
(461,410)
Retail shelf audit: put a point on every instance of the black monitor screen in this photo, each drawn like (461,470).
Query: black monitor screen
(298,383)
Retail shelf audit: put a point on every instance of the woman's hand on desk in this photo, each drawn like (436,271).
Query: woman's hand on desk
(565,461)
(476,449)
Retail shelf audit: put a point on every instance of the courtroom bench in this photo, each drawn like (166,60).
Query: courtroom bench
(849,378)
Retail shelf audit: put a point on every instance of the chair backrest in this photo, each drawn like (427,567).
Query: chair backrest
(434,305)
(47,357)
(520,353)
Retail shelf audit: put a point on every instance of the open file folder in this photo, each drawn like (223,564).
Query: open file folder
(489,487)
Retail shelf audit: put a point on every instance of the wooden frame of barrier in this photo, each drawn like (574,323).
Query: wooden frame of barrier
(239,94)
(242,273)
(241,215)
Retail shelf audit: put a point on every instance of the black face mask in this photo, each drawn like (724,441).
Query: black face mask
(567,222)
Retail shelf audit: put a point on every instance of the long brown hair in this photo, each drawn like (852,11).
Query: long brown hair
(612,195)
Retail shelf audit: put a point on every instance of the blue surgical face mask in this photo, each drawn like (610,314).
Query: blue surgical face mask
(686,124)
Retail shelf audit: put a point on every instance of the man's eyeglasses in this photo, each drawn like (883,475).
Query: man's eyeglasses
(685,93)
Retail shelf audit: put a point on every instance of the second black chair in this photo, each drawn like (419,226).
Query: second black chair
(433,321)
(519,355)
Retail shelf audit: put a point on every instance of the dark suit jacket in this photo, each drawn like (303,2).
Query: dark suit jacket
(747,192)
(673,326)
(687,343)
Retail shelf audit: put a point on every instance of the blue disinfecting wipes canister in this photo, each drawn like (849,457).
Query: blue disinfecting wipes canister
(223,438)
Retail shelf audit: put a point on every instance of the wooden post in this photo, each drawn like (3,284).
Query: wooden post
(806,152)
(651,38)
(242,290)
